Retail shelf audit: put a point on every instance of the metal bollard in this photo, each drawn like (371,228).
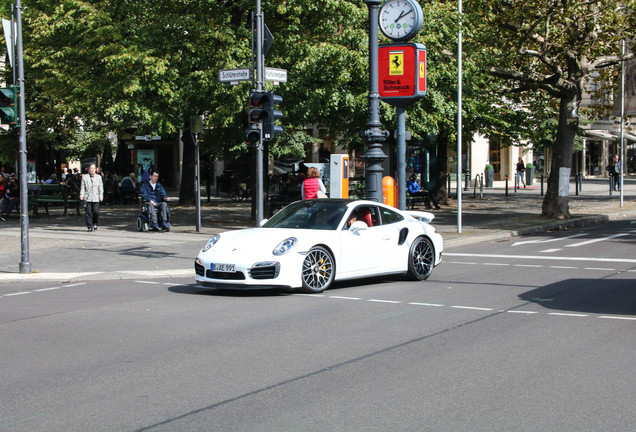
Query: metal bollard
(541,184)
(506,185)
(467,179)
(611,184)
(576,186)
(481,186)
(448,190)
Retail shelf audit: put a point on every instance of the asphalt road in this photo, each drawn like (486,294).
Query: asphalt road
(531,333)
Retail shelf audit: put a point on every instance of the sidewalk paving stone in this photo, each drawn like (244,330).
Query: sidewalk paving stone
(60,249)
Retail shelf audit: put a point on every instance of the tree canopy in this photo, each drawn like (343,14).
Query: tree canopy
(555,47)
(97,66)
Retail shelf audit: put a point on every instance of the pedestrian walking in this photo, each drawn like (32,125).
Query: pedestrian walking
(92,193)
(521,169)
(10,199)
(616,172)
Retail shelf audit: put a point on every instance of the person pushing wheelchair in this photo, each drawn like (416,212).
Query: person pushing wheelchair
(153,193)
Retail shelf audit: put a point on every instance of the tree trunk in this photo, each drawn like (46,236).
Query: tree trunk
(186,190)
(556,201)
(441,190)
(123,165)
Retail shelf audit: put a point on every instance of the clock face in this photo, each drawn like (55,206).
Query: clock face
(400,19)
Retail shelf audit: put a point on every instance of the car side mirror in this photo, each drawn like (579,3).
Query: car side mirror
(358,226)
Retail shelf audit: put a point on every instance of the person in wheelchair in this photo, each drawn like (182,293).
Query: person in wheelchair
(155,195)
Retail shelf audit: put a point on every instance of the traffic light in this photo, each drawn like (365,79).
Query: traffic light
(270,129)
(253,134)
(257,102)
(256,115)
(262,110)
(9,106)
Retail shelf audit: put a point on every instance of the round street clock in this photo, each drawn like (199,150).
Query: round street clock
(400,20)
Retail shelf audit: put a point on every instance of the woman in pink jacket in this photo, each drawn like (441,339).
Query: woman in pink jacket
(312,184)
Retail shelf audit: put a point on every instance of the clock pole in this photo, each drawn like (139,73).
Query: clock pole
(373,136)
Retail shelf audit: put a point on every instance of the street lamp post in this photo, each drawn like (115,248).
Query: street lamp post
(373,136)
(622,148)
(25,264)
(459,122)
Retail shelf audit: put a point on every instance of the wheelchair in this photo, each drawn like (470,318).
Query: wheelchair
(143,219)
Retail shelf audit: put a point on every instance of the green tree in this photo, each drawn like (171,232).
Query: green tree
(556,47)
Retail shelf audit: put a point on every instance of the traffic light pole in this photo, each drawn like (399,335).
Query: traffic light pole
(25,265)
(260,78)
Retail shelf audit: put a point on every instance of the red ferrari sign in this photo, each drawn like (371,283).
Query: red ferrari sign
(402,73)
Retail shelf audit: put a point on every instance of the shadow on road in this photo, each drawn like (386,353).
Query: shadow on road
(597,296)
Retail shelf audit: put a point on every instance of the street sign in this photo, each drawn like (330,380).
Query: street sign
(232,75)
(275,74)
(268,39)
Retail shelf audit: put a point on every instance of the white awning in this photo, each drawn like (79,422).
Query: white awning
(607,135)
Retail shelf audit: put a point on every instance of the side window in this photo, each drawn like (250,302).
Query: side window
(366,215)
(389,216)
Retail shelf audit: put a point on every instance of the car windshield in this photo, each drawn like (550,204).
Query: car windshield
(318,214)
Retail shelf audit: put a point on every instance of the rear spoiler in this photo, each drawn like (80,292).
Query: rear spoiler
(420,215)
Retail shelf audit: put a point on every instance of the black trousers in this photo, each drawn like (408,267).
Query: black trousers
(92,213)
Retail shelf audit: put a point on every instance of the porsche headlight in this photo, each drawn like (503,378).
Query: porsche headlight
(285,246)
(211,243)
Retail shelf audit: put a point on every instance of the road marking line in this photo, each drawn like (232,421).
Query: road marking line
(496,264)
(567,314)
(148,282)
(547,241)
(587,242)
(564,267)
(472,308)
(345,298)
(617,318)
(549,250)
(528,265)
(16,294)
(460,262)
(48,289)
(542,257)
(519,312)
(598,268)
(75,284)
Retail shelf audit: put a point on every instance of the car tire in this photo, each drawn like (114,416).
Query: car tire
(421,259)
(319,270)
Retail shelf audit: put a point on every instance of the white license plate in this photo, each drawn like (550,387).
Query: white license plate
(225,268)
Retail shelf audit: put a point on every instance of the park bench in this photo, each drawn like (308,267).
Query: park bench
(51,194)
(413,200)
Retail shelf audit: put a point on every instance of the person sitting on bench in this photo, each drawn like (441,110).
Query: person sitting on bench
(416,190)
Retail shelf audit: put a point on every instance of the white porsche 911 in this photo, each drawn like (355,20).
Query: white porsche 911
(309,244)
